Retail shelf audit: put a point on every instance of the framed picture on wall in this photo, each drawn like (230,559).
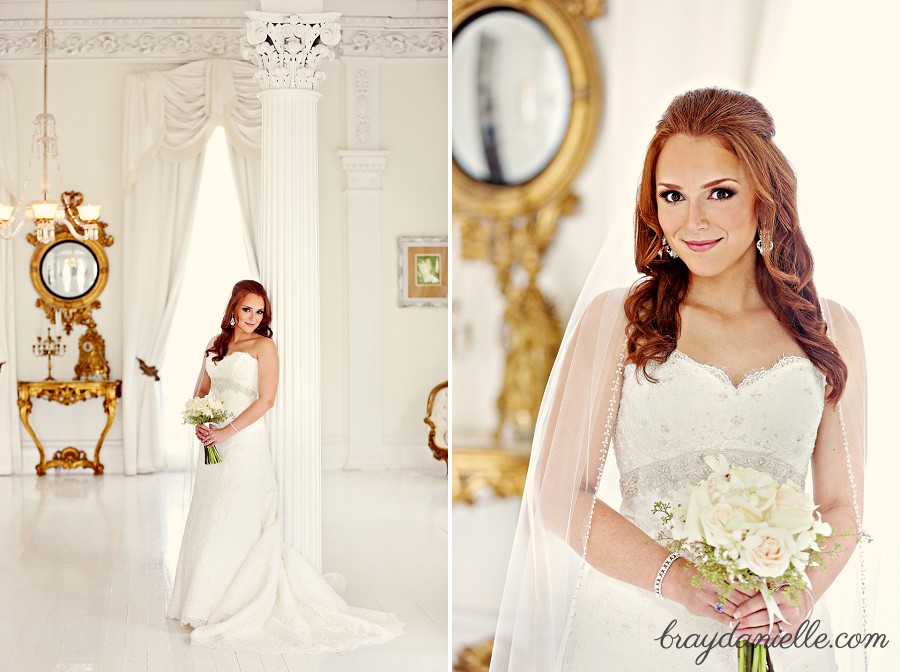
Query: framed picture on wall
(424,270)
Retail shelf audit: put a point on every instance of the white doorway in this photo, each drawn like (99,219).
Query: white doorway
(217,258)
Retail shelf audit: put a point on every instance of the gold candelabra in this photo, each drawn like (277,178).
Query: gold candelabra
(49,347)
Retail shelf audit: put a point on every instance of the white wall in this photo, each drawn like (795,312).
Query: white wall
(414,340)
(86,97)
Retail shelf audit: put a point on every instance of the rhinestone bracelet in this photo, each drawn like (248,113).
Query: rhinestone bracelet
(661,574)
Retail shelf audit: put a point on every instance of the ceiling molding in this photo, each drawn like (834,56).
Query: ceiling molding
(179,39)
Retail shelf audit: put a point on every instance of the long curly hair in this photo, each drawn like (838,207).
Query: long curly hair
(783,276)
(240,290)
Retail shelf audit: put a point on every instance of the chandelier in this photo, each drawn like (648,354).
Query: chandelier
(81,219)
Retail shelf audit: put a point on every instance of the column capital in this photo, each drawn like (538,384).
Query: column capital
(363,167)
(288,48)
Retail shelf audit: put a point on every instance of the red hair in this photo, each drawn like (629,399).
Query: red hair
(240,290)
(783,276)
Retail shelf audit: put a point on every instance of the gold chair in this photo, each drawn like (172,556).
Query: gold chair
(436,417)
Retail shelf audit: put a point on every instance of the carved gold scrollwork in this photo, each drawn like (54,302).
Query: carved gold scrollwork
(439,451)
(475,471)
(475,658)
(68,393)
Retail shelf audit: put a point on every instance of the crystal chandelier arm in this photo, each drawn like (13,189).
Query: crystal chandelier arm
(73,231)
(10,236)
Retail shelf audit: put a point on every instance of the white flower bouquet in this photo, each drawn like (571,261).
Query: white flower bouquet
(201,410)
(742,529)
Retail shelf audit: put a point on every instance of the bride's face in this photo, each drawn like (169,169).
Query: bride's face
(249,313)
(706,205)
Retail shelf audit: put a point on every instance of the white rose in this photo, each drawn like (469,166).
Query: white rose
(793,509)
(767,551)
(725,525)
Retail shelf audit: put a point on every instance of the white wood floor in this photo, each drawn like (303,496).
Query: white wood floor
(87,564)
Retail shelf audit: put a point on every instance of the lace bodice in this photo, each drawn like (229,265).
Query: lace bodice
(234,380)
(768,422)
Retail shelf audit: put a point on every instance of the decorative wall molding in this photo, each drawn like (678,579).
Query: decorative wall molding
(363,167)
(126,38)
(186,39)
(362,110)
(394,38)
(396,453)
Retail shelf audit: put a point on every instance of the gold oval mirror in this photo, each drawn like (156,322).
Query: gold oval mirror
(526,104)
(69,274)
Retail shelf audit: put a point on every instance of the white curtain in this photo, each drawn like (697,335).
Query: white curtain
(10,446)
(169,116)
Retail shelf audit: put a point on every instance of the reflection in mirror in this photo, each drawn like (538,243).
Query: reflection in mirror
(511,97)
(69,269)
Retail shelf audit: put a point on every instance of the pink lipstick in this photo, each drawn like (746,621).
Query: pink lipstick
(702,245)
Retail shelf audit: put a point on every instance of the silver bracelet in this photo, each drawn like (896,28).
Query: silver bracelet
(661,574)
(236,430)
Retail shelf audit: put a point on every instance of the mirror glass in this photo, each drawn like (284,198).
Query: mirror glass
(511,97)
(69,269)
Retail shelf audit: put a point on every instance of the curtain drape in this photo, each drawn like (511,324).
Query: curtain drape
(169,117)
(10,446)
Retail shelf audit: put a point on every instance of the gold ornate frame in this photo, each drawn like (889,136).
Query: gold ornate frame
(566,22)
(438,451)
(513,225)
(78,310)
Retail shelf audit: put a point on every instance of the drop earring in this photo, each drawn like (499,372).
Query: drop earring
(765,244)
(232,320)
(665,246)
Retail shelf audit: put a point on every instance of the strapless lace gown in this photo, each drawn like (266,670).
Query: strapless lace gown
(768,422)
(237,583)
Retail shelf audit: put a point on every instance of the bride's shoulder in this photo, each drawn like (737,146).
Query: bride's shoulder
(606,305)
(264,347)
(604,317)
(613,299)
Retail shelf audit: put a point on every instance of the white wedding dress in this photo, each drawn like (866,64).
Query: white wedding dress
(238,584)
(768,422)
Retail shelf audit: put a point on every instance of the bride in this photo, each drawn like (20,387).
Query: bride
(237,584)
(722,347)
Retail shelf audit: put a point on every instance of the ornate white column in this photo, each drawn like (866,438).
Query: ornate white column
(287,49)
(363,162)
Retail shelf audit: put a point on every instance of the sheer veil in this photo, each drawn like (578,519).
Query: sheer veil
(570,450)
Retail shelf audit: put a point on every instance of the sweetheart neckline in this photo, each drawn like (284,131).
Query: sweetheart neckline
(750,376)
(236,352)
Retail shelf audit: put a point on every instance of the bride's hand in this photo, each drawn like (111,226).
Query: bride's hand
(701,601)
(214,436)
(201,430)
(754,616)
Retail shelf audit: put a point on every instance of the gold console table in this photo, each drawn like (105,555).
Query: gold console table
(68,393)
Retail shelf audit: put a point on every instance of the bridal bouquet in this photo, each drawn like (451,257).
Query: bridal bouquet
(201,410)
(742,529)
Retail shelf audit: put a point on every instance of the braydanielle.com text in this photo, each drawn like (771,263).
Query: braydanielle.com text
(806,637)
